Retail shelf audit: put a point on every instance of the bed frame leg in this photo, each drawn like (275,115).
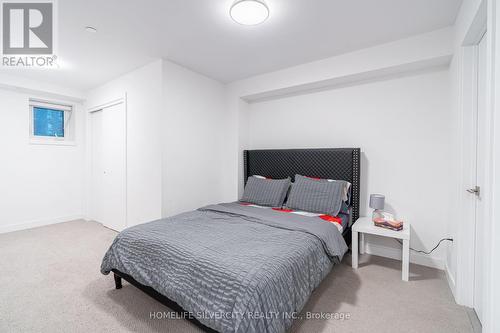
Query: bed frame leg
(118,281)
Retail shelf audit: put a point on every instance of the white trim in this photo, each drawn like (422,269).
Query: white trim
(38,223)
(492,250)
(51,142)
(97,108)
(451,280)
(125,106)
(51,105)
(465,229)
(57,102)
(394,253)
(464,279)
(70,125)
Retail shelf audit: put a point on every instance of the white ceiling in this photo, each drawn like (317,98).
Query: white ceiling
(200,35)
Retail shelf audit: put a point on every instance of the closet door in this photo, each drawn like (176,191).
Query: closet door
(97,167)
(114,158)
(109,167)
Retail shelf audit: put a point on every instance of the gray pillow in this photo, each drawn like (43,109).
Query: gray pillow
(266,192)
(316,195)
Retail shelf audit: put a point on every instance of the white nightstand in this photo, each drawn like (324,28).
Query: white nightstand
(364,225)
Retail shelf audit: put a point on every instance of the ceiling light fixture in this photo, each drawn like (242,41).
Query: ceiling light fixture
(90,29)
(249,12)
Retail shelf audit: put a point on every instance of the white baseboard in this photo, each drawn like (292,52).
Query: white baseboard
(38,223)
(451,280)
(394,253)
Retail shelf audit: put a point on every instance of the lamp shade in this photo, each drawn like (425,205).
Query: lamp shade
(377,201)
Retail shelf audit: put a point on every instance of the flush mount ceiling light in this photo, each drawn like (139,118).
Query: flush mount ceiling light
(249,12)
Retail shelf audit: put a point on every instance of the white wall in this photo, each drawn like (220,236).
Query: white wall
(402,127)
(47,89)
(375,71)
(39,184)
(143,88)
(194,125)
(421,52)
(176,123)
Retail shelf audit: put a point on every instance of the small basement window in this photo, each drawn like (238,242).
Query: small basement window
(51,123)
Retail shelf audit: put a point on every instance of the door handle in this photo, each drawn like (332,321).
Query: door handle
(476,190)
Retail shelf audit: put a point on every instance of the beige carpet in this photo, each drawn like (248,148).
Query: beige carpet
(50,282)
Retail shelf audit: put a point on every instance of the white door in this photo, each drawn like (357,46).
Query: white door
(109,166)
(482,133)
(97,167)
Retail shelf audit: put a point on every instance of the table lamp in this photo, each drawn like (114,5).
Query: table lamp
(377,202)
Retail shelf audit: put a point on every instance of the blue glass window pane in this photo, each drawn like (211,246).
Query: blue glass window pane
(48,122)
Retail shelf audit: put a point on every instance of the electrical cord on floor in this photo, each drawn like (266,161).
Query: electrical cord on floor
(435,247)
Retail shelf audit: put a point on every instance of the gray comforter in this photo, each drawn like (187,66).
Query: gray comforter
(235,268)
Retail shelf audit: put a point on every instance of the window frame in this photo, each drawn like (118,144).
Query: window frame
(69,123)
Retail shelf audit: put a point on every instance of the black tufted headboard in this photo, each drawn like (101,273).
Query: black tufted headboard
(330,163)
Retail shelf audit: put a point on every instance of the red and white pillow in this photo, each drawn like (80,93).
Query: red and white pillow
(333,219)
(336,220)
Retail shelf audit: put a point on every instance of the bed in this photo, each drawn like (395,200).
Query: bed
(232,267)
